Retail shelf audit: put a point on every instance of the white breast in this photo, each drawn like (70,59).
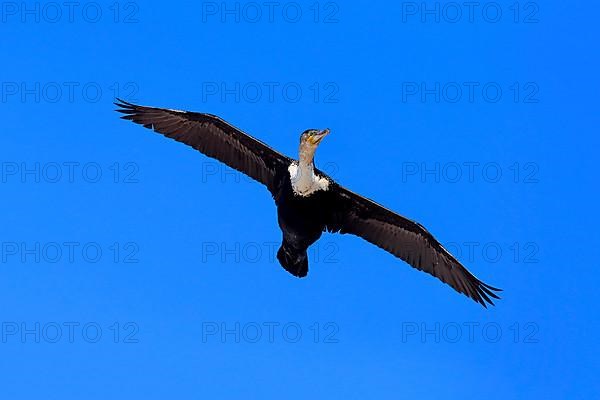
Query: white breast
(304,180)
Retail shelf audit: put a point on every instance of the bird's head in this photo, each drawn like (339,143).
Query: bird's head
(309,140)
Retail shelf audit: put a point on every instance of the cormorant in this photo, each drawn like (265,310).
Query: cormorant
(308,201)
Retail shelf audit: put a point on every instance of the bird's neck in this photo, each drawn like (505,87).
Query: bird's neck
(306,155)
(306,173)
(306,165)
(303,173)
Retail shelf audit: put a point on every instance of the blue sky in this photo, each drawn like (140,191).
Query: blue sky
(133,266)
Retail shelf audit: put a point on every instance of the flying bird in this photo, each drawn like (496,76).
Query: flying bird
(308,201)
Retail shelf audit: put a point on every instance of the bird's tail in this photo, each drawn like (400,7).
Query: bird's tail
(293,260)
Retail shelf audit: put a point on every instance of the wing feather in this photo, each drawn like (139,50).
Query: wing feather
(213,137)
(405,239)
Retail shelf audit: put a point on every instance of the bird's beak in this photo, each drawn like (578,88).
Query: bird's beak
(316,139)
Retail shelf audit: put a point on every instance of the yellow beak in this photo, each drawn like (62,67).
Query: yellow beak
(316,139)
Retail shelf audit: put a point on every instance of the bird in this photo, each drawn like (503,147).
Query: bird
(308,201)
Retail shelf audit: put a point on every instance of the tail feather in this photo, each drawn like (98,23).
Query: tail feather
(294,261)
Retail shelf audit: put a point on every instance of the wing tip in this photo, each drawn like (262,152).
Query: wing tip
(125,107)
(483,293)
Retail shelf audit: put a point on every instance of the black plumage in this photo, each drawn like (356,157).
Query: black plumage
(303,219)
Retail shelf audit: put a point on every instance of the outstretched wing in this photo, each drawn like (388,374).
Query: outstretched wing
(406,239)
(213,137)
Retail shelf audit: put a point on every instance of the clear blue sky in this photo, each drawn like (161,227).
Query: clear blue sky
(132,266)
